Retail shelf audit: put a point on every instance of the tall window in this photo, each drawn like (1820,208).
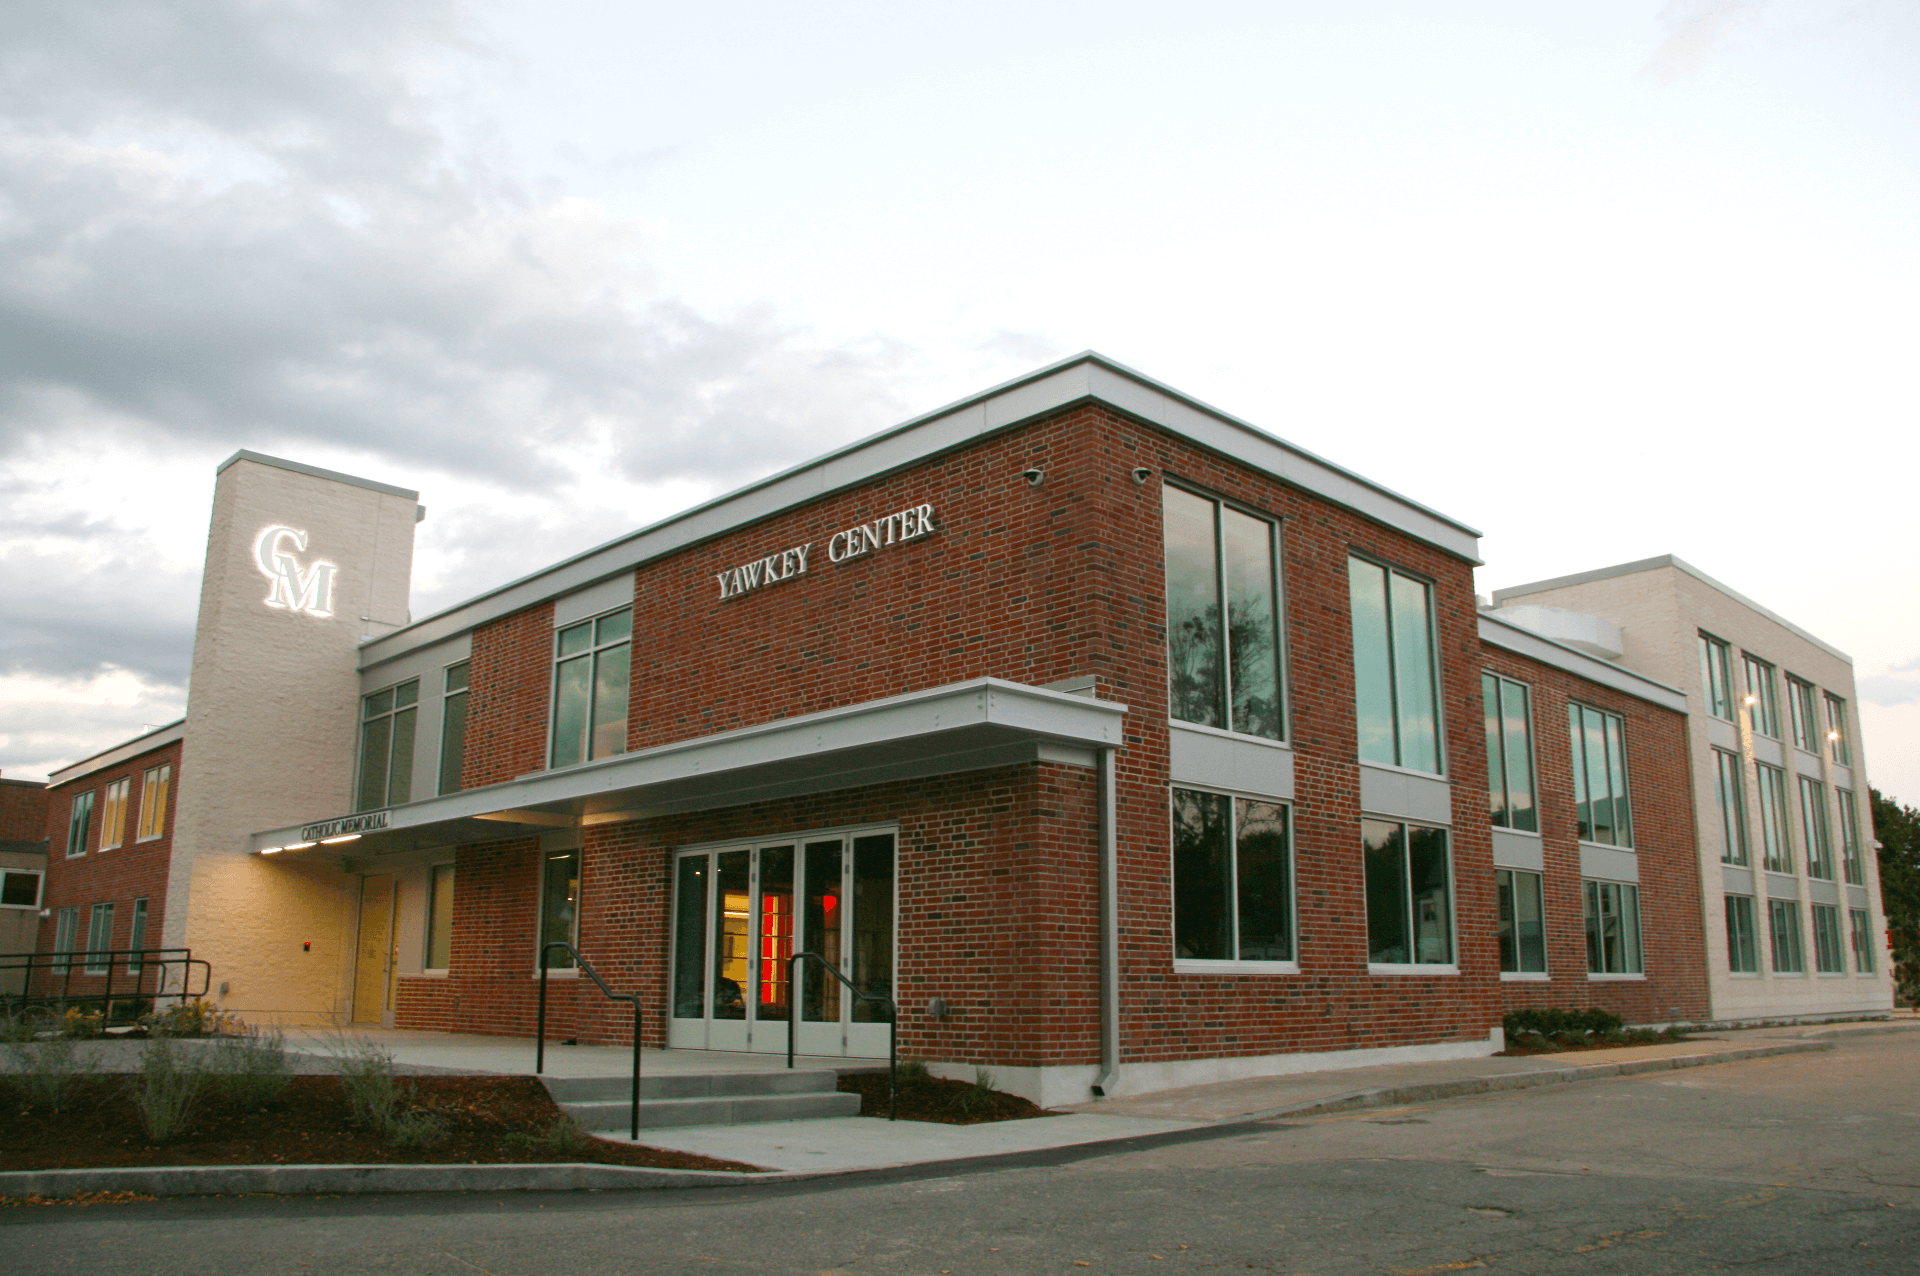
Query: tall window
(1806,727)
(1393,666)
(137,935)
(1716,676)
(1783,919)
(66,930)
(1828,958)
(592,660)
(1776,850)
(1599,743)
(79,822)
(1837,734)
(113,812)
(1523,937)
(1813,828)
(560,907)
(387,723)
(1613,928)
(1762,689)
(1743,943)
(453,727)
(1409,894)
(1232,879)
(154,786)
(1862,940)
(440,918)
(1222,562)
(1509,753)
(1732,797)
(99,938)
(1854,867)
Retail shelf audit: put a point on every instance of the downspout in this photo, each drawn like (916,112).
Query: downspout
(1103,1084)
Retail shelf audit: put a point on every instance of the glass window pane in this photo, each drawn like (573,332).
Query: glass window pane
(1743,957)
(1196,685)
(610,702)
(690,938)
(406,693)
(614,627)
(378,703)
(1496,752)
(1388,937)
(400,762)
(572,688)
(1617,779)
(1432,896)
(1413,675)
(1253,624)
(1263,872)
(872,924)
(559,906)
(1629,929)
(774,937)
(1582,801)
(1518,730)
(453,742)
(575,639)
(137,935)
(1862,941)
(1372,662)
(820,932)
(1595,728)
(730,935)
(1733,807)
(375,737)
(440,918)
(1202,922)
(457,676)
(1530,922)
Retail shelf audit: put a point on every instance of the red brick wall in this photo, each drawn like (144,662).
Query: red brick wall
(133,870)
(1038,584)
(1660,793)
(23,811)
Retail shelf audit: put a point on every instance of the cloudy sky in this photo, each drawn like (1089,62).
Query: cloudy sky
(1607,281)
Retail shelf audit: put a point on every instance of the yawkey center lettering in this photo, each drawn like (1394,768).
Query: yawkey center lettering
(897,528)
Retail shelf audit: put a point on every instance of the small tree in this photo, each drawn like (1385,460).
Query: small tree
(1897,828)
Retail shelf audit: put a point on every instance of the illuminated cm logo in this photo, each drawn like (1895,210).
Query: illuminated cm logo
(310,591)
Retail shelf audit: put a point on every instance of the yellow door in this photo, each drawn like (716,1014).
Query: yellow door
(373,961)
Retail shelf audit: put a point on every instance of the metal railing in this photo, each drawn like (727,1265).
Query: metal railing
(96,963)
(893,1022)
(540,1032)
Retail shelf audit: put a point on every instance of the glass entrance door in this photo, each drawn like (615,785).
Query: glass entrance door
(740,914)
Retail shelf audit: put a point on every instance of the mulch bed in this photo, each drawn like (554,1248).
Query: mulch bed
(932,1099)
(309,1125)
(1579,1047)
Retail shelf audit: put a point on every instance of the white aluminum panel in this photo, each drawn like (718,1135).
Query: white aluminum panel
(1405,795)
(1780,886)
(1519,850)
(1723,734)
(1240,764)
(609,595)
(1771,752)
(1608,863)
(1736,881)
(1822,892)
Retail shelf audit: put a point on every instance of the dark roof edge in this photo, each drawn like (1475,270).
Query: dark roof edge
(106,757)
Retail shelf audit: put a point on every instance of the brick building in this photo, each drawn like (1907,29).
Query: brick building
(23,870)
(1119,742)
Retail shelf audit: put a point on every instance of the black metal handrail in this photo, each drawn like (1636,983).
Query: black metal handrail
(134,962)
(893,1021)
(540,1032)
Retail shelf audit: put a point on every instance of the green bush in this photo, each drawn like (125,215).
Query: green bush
(251,1068)
(564,1137)
(978,1095)
(366,1074)
(166,1090)
(1551,1021)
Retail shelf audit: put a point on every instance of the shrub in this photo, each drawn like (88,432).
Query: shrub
(44,1073)
(911,1070)
(366,1075)
(15,1029)
(978,1095)
(415,1129)
(251,1067)
(166,1090)
(1551,1021)
(190,1019)
(562,1138)
(83,1023)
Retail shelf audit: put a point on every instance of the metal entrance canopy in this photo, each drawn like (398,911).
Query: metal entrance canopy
(964,726)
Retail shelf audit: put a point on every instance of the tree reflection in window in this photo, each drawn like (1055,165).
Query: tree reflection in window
(1222,676)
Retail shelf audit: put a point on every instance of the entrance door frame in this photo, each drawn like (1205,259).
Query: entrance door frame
(848,1038)
(390,955)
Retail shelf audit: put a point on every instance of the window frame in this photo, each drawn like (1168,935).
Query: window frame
(1452,965)
(433,916)
(1581,767)
(99,918)
(592,653)
(448,693)
(1803,722)
(563,965)
(1500,684)
(1782,818)
(1794,935)
(1434,671)
(1728,767)
(1828,945)
(156,786)
(1839,731)
(113,812)
(1853,864)
(1719,692)
(39,877)
(137,934)
(79,823)
(1764,713)
(1860,933)
(66,928)
(1236,964)
(1749,932)
(1816,833)
(391,715)
(1501,894)
(1276,545)
(1593,892)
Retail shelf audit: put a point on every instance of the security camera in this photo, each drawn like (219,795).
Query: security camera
(1141,474)
(1035,477)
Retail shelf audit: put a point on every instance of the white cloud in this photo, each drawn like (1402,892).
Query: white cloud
(1885,689)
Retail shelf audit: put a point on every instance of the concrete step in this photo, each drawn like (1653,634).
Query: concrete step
(708,1098)
(738,1109)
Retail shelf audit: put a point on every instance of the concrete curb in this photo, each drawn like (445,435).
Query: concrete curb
(1525,1080)
(313,1180)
